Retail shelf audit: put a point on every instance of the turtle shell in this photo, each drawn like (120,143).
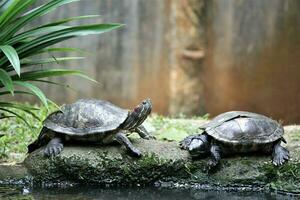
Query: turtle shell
(239,127)
(86,116)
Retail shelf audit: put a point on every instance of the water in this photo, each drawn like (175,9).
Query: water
(96,193)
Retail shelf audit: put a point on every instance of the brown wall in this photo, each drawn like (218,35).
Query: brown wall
(253,58)
(251,55)
(131,63)
(143,59)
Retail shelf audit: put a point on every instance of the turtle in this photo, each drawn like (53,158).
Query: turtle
(237,132)
(92,121)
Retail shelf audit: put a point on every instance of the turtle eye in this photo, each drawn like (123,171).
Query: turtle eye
(136,109)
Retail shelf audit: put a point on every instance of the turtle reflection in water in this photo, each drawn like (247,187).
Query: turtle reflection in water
(238,132)
(93,121)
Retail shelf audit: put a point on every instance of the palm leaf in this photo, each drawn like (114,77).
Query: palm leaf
(12,56)
(15,92)
(13,10)
(6,81)
(35,91)
(16,45)
(52,38)
(16,114)
(4,4)
(63,21)
(33,33)
(25,108)
(31,62)
(64,49)
(31,15)
(17,106)
(45,73)
(55,83)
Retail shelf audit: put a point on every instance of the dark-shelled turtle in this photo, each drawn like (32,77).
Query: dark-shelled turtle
(92,121)
(238,132)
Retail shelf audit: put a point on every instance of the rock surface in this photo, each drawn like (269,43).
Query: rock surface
(163,162)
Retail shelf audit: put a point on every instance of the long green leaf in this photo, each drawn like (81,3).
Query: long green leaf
(15,92)
(6,81)
(63,21)
(57,36)
(48,60)
(29,93)
(55,83)
(12,56)
(64,50)
(2,116)
(13,10)
(35,90)
(54,104)
(17,106)
(16,114)
(33,33)
(31,15)
(4,4)
(45,73)
(34,50)
(24,108)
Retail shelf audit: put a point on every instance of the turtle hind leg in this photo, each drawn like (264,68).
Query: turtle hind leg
(280,154)
(122,139)
(54,147)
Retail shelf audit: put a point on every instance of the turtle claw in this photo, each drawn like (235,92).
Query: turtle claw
(122,139)
(280,159)
(212,163)
(280,156)
(135,152)
(53,148)
(143,133)
(150,137)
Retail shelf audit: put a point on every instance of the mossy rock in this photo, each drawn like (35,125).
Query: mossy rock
(165,162)
(111,164)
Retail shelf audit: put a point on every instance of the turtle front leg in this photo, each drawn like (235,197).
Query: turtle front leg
(143,133)
(122,139)
(215,156)
(280,154)
(54,147)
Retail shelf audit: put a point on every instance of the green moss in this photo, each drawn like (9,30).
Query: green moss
(17,135)
(285,178)
(105,167)
(295,135)
(175,129)
(162,160)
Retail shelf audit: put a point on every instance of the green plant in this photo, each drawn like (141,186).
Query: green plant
(17,135)
(19,49)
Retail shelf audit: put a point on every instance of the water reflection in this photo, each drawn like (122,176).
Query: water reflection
(96,193)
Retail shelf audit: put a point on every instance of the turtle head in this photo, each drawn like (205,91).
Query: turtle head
(138,115)
(199,146)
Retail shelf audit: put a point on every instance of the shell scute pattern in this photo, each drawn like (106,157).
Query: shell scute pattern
(243,128)
(86,117)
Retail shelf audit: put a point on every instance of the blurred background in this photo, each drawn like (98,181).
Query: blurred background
(190,57)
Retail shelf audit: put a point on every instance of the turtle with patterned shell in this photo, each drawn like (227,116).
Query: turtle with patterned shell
(237,132)
(92,121)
